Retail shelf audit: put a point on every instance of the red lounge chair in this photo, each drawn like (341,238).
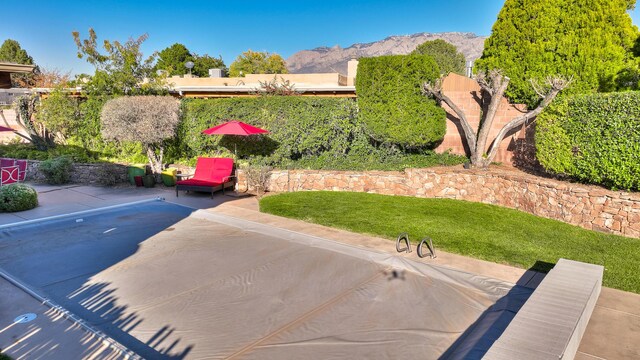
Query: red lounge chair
(212,174)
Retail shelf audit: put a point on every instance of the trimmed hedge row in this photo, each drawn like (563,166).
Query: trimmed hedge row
(298,126)
(305,132)
(391,102)
(594,138)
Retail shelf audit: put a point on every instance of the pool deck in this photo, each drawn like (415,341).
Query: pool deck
(613,331)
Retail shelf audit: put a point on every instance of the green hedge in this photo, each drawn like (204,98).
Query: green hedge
(594,138)
(299,127)
(312,133)
(391,102)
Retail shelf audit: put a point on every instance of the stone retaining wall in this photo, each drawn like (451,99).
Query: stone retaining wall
(91,174)
(587,206)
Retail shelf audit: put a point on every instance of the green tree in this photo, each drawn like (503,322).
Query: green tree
(173,58)
(202,64)
(258,62)
(121,69)
(149,120)
(446,55)
(391,104)
(12,52)
(589,40)
(58,112)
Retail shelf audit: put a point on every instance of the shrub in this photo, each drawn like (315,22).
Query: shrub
(17,197)
(594,138)
(58,170)
(590,41)
(446,55)
(391,104)
(149,120)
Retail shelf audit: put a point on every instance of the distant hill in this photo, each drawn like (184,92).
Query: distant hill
(334,59)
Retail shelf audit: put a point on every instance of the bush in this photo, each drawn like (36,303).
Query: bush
(58,170)
(391,103)
(589,42)
(17,197)
(594,138)
(299,127)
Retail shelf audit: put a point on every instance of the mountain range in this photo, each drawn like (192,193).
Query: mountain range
(334,59)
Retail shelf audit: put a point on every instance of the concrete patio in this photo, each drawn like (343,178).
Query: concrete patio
(613,331)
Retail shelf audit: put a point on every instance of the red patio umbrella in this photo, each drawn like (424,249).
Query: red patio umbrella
(235,127)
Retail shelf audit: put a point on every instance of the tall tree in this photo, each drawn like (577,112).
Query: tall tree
(258,62)
(121,69)
(589,40)
(202,64)
(173,58)
(12,52)
(446,55)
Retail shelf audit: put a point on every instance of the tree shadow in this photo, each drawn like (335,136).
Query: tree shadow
(59,261)
(261,145)
(480,336)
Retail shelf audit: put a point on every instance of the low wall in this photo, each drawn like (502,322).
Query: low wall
(91,174)
(587,206)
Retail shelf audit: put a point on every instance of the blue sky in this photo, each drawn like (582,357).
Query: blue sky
(228,28)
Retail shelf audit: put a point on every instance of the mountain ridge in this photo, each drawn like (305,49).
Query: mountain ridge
(325,59)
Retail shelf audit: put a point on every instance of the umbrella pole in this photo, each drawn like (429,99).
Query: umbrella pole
(235,169)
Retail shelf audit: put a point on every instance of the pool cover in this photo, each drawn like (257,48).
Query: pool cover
(171,284)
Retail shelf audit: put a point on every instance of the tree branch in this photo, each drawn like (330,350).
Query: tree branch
(556,85)
(436,91)
(499,85)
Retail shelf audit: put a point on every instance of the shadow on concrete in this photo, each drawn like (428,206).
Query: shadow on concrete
(478,338)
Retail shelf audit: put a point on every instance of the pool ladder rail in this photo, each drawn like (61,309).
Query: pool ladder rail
(427,241)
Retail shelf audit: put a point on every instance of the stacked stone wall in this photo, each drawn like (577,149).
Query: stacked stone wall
(587,206)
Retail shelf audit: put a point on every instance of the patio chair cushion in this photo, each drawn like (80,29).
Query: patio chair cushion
(198,182)
(204,167)
(222,170)
(9,175)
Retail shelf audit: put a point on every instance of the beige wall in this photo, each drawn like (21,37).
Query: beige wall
(465,93)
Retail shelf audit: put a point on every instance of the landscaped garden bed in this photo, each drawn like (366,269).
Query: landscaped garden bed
(472,229)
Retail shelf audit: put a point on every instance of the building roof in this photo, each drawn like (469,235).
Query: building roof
(15,68)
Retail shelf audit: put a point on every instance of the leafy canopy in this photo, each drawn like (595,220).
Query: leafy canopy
(121,69)
(148,120)
(391,104)
(589,40)
(174,58)
(257,62)
(446,56)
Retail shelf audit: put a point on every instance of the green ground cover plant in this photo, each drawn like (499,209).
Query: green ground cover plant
(593,138)
(58,170)
(477,230)
(17,197)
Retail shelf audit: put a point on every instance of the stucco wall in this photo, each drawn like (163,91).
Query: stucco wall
(465,93)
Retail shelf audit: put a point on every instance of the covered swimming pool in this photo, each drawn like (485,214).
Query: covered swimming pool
(168,282)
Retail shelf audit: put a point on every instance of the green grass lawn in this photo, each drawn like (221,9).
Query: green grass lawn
(477,230)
